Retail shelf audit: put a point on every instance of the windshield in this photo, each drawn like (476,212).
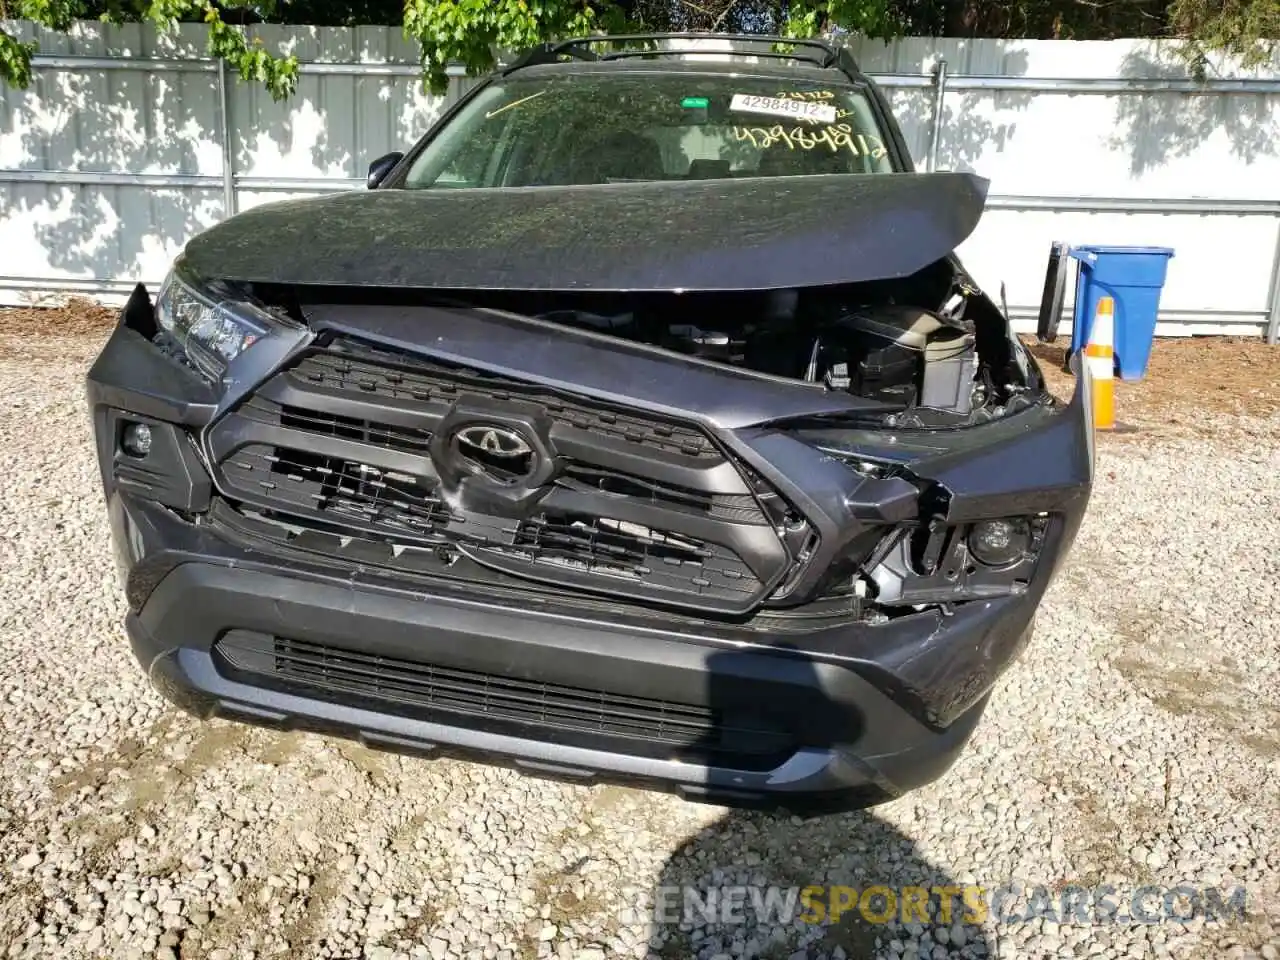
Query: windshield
(593,128)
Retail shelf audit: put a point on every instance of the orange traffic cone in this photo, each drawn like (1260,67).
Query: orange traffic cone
(1100,358)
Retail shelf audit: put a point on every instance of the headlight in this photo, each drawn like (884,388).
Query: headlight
(211,327)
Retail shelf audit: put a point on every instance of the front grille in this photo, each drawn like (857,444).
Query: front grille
(603,546)
(373,372)
(385,435)
(729,507)
(659,727)
(338,491)
(550,543)
(340,442)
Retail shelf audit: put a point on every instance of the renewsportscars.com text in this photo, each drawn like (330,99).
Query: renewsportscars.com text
(971,904)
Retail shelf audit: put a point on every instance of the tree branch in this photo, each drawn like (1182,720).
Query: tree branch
(723,13)
(694,6)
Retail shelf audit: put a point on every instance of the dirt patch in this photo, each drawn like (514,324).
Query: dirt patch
(248,920)
(307,924)
(1267,746)
(281,748)
(77,317)
(173,751)
(46,332)
(610,797)
(1206,692)
(369,762)
(570,901)
(1187,378)
(1103,827)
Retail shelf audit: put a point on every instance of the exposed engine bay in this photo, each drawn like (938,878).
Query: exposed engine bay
(851,286)
(896,353)
(932,347)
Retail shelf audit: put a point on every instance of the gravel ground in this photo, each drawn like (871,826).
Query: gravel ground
(1138,742)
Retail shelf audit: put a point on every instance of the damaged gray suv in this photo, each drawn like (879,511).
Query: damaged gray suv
(638,424)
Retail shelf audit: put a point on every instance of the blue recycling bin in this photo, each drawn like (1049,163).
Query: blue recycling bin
(1133,277)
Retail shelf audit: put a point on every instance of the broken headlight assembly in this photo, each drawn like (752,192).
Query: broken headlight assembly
(941,563)
(208,325)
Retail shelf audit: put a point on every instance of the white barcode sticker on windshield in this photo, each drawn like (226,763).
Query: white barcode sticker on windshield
(784,107)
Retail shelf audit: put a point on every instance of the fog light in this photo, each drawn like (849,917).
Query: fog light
(998,543)
(136,439)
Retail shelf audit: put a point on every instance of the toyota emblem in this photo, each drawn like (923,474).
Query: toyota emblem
(497,452)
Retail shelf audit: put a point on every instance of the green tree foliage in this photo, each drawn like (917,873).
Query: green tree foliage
(15,60)
(471,31)
(1243,28)
(279,75)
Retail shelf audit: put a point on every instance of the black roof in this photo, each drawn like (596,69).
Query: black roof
(772,55)
(736,67)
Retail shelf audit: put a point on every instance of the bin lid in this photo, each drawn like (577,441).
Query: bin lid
(1140,251)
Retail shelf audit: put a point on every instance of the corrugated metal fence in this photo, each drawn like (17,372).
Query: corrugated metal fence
(129,142)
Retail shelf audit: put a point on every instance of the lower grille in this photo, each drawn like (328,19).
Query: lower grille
(652,727)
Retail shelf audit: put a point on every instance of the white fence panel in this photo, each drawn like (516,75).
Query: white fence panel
(108,165)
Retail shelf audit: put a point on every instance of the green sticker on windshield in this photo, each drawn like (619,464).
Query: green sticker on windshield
(695,103)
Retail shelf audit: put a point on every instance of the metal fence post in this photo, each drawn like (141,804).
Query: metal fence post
(939,94)
(224,137)
(1273,301)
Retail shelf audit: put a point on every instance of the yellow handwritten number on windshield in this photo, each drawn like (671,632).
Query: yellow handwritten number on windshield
(835,137)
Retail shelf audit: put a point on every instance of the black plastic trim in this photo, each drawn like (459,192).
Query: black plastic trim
(857,736)
(170,473)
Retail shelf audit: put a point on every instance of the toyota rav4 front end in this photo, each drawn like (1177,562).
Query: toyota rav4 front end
(674,460)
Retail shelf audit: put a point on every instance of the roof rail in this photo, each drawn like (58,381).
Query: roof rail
(824,54)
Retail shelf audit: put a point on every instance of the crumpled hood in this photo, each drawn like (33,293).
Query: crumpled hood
(748,234)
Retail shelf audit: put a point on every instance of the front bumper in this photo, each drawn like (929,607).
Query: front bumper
(174,637)
(858,739)
(859,712)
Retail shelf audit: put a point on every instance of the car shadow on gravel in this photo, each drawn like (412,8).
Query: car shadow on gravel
(777,886)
